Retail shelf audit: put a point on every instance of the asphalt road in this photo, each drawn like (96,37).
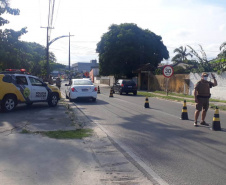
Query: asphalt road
(171,150)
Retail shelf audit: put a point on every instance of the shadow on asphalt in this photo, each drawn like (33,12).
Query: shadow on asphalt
(90,102)
(127,95)
(24,107)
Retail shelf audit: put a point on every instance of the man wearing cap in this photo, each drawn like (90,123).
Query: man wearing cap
(202,95)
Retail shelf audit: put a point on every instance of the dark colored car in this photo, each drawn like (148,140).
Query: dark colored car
(125,86)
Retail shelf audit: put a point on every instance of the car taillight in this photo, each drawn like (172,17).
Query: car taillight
(73,89)
(95,89)
(122,85)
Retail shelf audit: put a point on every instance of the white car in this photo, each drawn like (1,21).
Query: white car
(81,88)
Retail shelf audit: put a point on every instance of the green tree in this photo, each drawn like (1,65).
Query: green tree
(203,63)
(10,48)
(223,47)
(20,54)
(181,56)
(5,8)
(126,46)
(219,64)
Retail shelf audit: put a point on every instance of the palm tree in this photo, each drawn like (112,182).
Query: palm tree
(222,54)
(204,63)
(181,56)
(223,47)
(222,57)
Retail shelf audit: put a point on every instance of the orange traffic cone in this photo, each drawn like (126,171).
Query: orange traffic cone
(184,114)
(146,104)
(216,125)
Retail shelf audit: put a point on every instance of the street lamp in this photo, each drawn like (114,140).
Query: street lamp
(47,50)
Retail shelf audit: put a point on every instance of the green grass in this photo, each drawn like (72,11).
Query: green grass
(25,131)
(68,134)
(174,94)
(180,98)
(63,134)
(185,95)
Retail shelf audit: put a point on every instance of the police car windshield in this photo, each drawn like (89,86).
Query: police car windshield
(82,82)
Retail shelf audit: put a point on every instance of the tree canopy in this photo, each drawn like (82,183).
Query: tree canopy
(5,8)
(181,56)
(19,54)
(126,46)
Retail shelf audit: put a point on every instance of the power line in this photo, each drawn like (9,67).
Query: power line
(51,23)
(57,12)
(40,14)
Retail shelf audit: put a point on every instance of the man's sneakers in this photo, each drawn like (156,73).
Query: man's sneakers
(204,123)
(201,123)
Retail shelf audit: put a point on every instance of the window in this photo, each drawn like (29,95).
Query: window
(82,82)
(21,80)
(129,82)
(7,78)
(35,82)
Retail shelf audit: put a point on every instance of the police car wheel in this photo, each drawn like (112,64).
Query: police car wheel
(29,104)
(8,103)
(66,95)
(71,100)
(53,100)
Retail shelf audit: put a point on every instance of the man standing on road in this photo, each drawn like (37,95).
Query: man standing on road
(58,82)
(202,95)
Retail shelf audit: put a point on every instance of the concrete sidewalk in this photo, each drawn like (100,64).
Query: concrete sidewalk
(34,159)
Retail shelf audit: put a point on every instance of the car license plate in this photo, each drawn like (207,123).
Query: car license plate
(84,90)
(129,86)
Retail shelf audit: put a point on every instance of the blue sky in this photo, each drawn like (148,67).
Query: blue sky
(180,23)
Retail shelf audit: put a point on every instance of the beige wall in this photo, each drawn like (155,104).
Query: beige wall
(176,83)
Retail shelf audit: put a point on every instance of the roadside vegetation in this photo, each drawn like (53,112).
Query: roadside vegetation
(181,98)
(63,134)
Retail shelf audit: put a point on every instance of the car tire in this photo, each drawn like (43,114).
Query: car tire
(71,100)
(120,92)
(53,100)
(94,99)
(8,103)
(29,104)
(66,95)
(135,93)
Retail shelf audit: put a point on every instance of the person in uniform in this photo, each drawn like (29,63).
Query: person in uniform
(202,95)
(58,82)
(50,80)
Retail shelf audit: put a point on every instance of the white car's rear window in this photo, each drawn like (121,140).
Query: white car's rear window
(82,82)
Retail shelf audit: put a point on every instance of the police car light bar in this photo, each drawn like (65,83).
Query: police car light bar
(21,70)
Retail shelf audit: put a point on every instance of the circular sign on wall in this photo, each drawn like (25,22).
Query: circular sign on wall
(167,71)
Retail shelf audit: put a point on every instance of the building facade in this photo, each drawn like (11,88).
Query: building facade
(83,67)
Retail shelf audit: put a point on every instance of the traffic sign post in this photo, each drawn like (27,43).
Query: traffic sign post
(167,72)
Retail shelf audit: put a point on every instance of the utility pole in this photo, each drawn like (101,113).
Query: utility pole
(47,52)
(50,19)
(69,57)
